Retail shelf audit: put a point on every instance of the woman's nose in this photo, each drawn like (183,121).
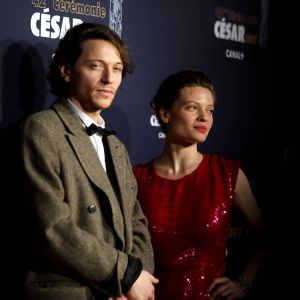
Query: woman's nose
(202,116)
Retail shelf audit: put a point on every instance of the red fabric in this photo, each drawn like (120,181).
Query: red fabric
(189,221)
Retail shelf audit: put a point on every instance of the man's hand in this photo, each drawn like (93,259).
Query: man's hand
(143,288)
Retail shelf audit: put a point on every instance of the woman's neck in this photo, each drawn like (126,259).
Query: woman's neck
(176,162)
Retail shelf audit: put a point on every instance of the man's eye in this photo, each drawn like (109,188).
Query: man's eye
(119,69)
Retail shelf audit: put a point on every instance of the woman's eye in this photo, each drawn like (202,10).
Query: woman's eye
(192,108)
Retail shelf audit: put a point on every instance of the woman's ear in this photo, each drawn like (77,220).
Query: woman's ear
(164,115)
(65,72)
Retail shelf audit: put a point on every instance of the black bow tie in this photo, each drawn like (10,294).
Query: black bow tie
(97,129)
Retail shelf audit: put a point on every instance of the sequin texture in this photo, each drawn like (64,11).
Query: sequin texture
(189,221)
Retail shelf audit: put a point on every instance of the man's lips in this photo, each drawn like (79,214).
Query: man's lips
(106,92)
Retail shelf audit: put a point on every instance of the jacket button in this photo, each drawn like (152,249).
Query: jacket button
(92,208)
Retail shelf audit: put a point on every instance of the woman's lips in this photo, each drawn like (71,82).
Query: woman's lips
(202,129)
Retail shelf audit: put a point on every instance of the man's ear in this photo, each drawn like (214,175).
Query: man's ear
(65,72)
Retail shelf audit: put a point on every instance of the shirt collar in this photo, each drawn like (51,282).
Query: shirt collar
(86,120)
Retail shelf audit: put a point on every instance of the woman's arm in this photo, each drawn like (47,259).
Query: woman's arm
(225,287)
(249,208)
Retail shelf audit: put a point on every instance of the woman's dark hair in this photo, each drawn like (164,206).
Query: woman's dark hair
(70,48)
(170,88)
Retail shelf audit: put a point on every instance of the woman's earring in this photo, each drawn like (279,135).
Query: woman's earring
(65,77)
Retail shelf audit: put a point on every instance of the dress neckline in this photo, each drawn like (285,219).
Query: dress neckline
(155,174)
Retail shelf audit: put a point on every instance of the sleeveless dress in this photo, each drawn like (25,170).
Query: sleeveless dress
(189,221)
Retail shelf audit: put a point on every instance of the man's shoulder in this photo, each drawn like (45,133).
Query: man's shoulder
(40,118)
(46,116)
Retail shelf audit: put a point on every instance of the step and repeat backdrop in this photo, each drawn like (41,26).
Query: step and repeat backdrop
(225,39)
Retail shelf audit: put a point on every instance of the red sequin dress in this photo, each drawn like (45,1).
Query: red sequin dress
(189,220)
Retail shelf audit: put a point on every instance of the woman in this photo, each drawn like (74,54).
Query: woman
(188,197)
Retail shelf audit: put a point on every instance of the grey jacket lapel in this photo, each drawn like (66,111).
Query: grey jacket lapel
(89,160)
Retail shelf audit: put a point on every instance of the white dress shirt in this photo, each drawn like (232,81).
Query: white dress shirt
(96,138)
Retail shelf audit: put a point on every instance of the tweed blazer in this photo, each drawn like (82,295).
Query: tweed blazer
(81,234)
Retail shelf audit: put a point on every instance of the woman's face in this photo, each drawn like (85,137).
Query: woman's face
(190,118)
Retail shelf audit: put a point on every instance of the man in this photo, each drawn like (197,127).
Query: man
(89,236)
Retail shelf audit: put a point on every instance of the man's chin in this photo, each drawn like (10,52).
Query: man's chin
(105,103)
